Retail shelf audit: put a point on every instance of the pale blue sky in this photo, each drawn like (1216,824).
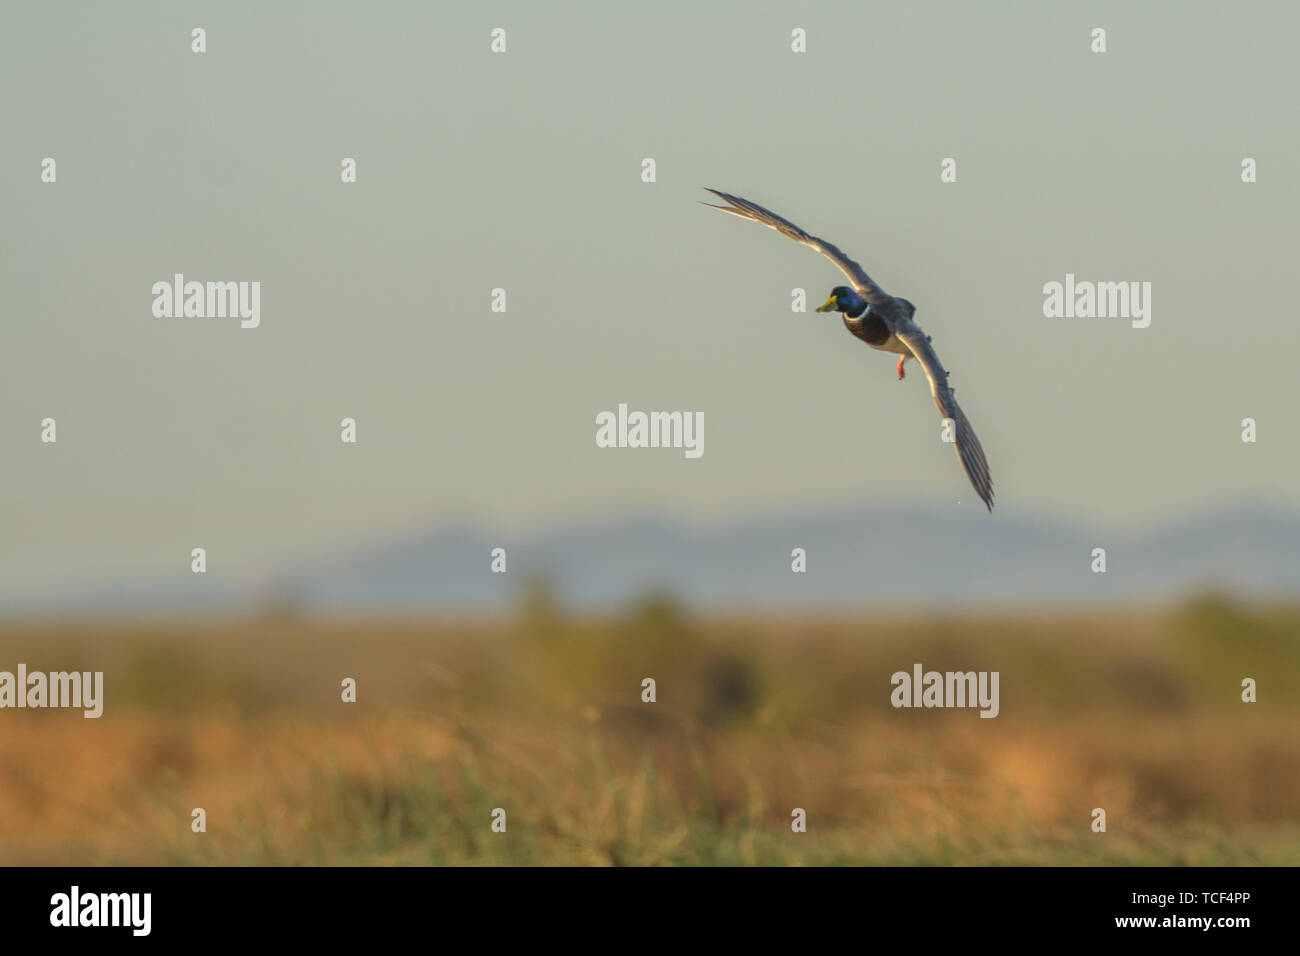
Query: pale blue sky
(522,171)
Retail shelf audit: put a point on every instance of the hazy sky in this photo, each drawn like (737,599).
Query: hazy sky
(522,170)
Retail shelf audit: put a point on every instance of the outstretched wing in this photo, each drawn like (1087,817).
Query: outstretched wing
(748,210)
(969,452)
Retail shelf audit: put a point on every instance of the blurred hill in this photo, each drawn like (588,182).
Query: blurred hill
(897,558)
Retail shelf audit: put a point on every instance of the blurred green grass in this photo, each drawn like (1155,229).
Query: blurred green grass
(540,715)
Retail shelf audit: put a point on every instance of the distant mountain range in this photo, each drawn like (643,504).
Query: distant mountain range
(904,557)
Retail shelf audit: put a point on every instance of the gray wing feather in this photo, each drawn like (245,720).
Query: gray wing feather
(756,213)
(969,452)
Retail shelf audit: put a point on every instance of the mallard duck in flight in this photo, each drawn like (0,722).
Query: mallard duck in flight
(883,322)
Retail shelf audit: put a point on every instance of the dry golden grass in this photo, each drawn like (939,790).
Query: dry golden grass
(1139,714)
